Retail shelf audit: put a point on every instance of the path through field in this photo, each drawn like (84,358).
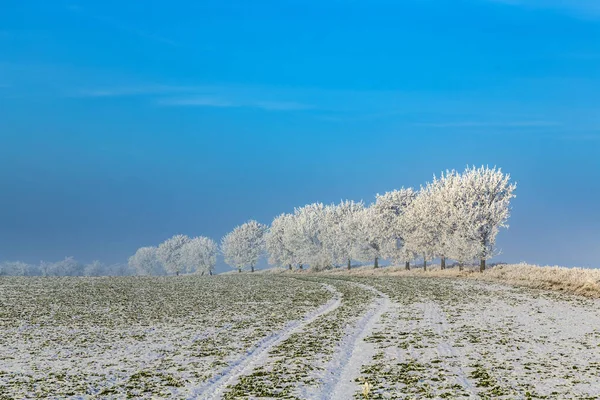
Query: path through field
(295,336)
(412,338)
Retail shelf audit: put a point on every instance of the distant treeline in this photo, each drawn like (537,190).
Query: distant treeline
(67,267)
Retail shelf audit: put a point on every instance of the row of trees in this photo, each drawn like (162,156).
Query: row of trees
(455,216)
(66,267)
(179,254)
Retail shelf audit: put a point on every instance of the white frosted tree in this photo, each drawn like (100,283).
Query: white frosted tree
(444,196)
(67,267)
(170,253)
(389,209)
(421,234)
(341,224)
(244,246)
(95,268)
(200,255)
(485,207)
(146,262)
(279,250)
(307,234)
(371,238)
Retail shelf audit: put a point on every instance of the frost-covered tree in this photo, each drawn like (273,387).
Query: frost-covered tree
(170,253)
(389,209)
(371,238)
(279,250)
(485,207)
(444,195)
(95,268)
(200,255)
(340,233)
(15,268)
(146,262)
(307,236)
(244,246)
(67,267)
(421,235)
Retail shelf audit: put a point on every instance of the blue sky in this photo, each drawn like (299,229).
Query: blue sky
(123,123)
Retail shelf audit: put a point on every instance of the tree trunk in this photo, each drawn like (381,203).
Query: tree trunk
(424,264)
(443,265)
(349,264)
(252,268)
(290,267)
(376,262)
(460,266)
(240,270)
(407,266)
(482,265)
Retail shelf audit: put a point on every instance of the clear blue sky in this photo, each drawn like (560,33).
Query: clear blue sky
(123,123)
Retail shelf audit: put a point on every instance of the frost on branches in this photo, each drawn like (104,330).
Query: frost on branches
(145,262)
(171,255)
(199,255)
(244,246)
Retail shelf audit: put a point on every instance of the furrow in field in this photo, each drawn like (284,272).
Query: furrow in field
(216,386)
(343,371)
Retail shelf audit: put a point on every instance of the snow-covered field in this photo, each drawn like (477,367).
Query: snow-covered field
(295,337)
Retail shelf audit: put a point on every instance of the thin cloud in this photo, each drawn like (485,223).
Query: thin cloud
(197,101)
(128,91)
(479,124)
(208,101)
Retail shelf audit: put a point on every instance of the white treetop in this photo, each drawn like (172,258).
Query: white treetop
(95,268)
(389,209)
(170,253)
(307,235)
(485,206)
(244,246)
(421,234)
(341,223)
(145,262)
(371,238)
(200,255)
(280,252)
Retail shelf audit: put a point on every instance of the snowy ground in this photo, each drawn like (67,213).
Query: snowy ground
(294,337)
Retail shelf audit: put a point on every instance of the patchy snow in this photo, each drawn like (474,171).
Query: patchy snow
(258,355)
(305,337)
(339,381)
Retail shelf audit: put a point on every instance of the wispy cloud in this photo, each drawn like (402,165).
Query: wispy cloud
(128,91)
(480,124)
(207,101)
(200,96)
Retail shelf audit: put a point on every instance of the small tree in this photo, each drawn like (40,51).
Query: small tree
(146,262)
(421,234)
(307,236)
(371,238)
(170,253)
(244,246)
(95,268)
(340,237)
(200,255)
(485,208)
(279,250)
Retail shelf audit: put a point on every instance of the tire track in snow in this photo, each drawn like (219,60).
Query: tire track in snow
(354,352)
(215,387)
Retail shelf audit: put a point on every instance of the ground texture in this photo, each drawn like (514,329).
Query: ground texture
(294,337)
